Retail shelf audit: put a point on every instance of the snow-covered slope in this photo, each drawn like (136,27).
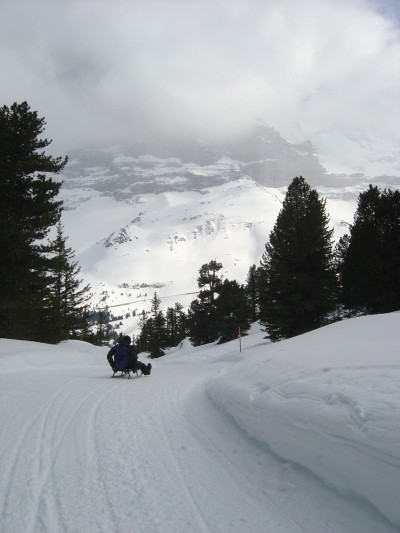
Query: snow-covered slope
(328,400)
(301,435)
(159,241)
(146,218)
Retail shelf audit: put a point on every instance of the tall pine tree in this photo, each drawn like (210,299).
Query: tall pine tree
(369,257)
(157,341)
(175,325)
(297,275)
(152,337)
(252,292)
(28,209)
(233,310)
(68,298)
(203,321)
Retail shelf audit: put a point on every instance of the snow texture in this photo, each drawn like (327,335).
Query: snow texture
(300,435)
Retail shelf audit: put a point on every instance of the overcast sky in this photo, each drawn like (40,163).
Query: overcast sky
(110,71)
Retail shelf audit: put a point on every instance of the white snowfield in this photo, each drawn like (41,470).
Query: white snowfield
(301,435)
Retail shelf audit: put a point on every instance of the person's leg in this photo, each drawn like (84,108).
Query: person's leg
(145,369)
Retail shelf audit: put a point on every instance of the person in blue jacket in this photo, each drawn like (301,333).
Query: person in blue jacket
(123,356)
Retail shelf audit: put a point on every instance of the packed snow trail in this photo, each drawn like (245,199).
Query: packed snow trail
(94,454)
(85,453)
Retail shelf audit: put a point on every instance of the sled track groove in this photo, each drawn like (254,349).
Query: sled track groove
(192,499)
(45,470)
(14,458)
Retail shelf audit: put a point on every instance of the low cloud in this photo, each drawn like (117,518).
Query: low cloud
(110,72)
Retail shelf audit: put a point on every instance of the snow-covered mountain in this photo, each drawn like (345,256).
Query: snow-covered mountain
(145,217)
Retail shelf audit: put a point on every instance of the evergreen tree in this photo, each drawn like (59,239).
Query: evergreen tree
(297,275)
(28,210)
(68,298)
(202,323)
(175,325)
(202,320)
(233,310)
(86,334)
(142,341)
(344,289)
(152,337)
(369,258)
(103,334)
(181,324)
(252,292)
(208,281)
(157,343)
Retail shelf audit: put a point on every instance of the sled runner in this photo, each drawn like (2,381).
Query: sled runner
(126,372)
(144,371)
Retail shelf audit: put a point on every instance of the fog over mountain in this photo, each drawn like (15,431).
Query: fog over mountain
(111,73)
(162,163)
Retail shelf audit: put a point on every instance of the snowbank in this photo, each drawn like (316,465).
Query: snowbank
(19,356)
(328,400)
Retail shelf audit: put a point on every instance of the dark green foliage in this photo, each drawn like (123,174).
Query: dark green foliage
(297,276)
(86,334)
(253,292)
(233,310)
(152,336)
(208,281)
(159,331)
(103,334)
(369,258)
(157,339)
(142,337)
(28,209)
(175,325)
(220,309)
(67,300)
(203,320)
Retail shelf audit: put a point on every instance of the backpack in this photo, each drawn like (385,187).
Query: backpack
(121,356)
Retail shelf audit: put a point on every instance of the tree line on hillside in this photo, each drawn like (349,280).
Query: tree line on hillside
(302,282)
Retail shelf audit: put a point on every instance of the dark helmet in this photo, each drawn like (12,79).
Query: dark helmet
(126,339)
